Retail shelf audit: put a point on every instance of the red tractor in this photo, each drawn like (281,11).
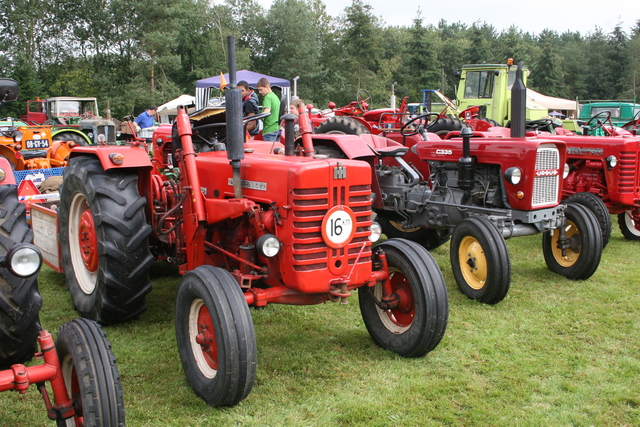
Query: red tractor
(478,191)
(248,225)
(80,365)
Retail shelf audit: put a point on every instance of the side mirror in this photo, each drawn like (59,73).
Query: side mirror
(8,90)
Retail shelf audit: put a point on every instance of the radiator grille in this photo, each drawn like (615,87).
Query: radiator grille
(627,172)
(310,205)
(546,187)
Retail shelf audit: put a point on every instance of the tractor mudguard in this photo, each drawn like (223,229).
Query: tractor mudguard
(8,173)
(132,157)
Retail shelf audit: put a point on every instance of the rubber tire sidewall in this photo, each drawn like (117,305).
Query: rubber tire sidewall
(71,136)
(590,246)
(444,125)
(20,300)
(599,209)
(429,295)
(495,250)
(341,125)
(235,335)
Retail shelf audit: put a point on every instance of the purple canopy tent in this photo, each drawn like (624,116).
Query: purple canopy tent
(204,86)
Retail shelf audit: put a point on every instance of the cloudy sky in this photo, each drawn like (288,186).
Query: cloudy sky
(532,17)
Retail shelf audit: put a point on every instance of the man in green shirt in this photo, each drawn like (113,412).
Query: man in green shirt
(270,104)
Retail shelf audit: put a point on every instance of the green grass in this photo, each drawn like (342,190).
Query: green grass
(553,353)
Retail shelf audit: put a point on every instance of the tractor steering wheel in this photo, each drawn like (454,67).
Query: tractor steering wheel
(600,123)
(417,129)
(540,125)
(362,102)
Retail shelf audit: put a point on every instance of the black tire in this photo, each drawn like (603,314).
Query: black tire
(91,375)
(342,125)
(109,279)
(490,121)
(20,300)
(628,227)
(582,259)
(417,325)
(480,260)
(444,125)
(599,209)
(71,136)
(427,237)
(210,296)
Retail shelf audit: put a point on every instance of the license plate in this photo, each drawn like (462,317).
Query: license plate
(36,143)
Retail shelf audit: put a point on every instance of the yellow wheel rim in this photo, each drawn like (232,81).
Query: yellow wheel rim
(573,253)
(473,262)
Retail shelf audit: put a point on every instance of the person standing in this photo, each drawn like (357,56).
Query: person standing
(146,118)
(250,107)
(270,104)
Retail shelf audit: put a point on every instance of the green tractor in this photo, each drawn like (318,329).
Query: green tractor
(73,119)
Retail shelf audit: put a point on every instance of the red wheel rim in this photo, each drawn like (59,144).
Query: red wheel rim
(88,241)
(207,338)
(404,313)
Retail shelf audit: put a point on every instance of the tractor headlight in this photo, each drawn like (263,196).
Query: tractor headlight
(268,245)
(612,161)
(513,175)
(376,232)
(22,260)
(566,171)
(17,136)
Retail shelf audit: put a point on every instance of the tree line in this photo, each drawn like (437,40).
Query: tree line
(151,51)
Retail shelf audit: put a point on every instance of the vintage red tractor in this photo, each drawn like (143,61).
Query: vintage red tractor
(80,365)
(479,191)
(247,225)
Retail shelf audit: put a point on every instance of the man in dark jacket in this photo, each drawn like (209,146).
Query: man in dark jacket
(250,107)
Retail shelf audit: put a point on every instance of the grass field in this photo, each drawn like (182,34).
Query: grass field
(553,353)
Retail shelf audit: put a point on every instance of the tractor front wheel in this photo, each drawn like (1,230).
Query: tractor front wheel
(104,241)
(90,374)
(215,335)
(598,208)
(480,260)
(418,321)
(628,227)
(578,255)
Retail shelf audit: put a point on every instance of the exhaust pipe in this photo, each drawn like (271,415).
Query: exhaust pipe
(518,104)
(233,104)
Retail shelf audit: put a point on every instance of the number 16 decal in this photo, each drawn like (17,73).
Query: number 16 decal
(338,227)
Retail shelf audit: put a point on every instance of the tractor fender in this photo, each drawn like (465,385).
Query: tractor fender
(71,130)
(5,166)
(133,157)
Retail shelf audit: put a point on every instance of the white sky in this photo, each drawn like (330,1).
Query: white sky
(528,16)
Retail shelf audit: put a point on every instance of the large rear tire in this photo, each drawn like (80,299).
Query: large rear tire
(71,136)
(90,374)
(480,260)
(20,300)
(104,241)
(598,208)
(215,336)
(444,125)
(628,226)
(427,237)
(342,125)
(581,259)
(417,324)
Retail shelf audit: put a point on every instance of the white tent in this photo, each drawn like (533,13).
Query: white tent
(169,111)
(551,103)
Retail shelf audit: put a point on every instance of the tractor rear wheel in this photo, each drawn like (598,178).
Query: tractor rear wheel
(598,208)
(447,124)
(342,125)
(104,241)
(628,226)
(90,375)
(71,136)
(215,336)
(480,260)
(582,255)
(417,324)
(427,237)
(20,301)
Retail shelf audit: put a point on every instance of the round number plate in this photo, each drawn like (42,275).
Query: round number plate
(338,227)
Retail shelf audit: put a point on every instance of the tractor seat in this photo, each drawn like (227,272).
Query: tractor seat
(33,154)
(393,151)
